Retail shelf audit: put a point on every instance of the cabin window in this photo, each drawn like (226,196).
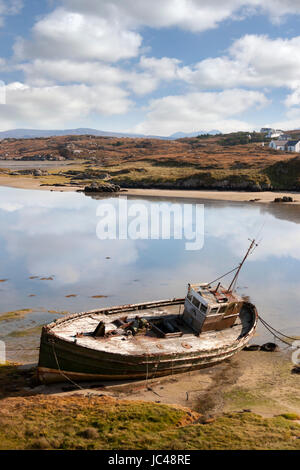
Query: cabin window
(196,302)
(203,308)
(214,310)
(230,309)
(223,309)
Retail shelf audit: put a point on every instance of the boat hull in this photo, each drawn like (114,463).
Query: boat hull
(61,360)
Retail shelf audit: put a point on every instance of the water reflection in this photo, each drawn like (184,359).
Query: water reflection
(50,234)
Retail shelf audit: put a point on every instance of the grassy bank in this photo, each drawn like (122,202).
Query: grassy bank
(105,423)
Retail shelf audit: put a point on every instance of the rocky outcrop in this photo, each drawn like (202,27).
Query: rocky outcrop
(102,188)
(33,172)
(283,199)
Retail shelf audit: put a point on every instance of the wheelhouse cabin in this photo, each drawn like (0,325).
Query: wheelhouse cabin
(210,309)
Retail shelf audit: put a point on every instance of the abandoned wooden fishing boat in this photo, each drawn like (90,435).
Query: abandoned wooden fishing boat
(150,339)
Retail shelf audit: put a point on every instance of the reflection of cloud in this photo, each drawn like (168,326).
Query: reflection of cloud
(56,234)
(70,257)
(238,224)
(34,198)
(10,207)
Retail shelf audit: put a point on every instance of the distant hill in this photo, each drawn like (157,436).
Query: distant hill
(181,135)
(295,134)
(34,133)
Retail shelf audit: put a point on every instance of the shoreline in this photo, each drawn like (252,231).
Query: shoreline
(264,197)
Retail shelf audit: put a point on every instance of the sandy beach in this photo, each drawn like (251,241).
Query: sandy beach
(23,182)
(238,196)
(232,196)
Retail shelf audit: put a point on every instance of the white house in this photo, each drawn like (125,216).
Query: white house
(264,130)
(293,146)
(278,144)
(285,137)
(271,133)
(285,145)
(274,133)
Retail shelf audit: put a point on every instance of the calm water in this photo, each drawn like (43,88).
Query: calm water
(53,234)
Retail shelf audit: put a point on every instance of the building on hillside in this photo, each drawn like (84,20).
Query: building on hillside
(285,145)
(285,137)
(278,144)
(271,133)
(293,146)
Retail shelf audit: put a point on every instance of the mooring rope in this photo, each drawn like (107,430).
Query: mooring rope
(269,328)
(61,372)
(279,332)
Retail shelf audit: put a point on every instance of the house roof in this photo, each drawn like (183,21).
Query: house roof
(279,142)
(292,142)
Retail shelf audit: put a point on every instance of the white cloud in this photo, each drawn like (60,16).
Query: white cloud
(71,35)
(252,61)
(9,7)
(165,68)
(2,63)
(195,111)
(293,99)
(193,15)
(277,8)
(70,60)
(60,105)
(42,72)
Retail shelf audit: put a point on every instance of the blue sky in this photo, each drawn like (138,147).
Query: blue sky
(154,67)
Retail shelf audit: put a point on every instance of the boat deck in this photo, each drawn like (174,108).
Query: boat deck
(79,330)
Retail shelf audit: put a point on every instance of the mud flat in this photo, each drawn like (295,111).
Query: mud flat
(260,381)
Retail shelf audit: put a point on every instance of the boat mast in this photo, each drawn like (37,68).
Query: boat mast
(252,244)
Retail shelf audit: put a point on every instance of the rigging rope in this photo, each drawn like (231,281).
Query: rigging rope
(229,272)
